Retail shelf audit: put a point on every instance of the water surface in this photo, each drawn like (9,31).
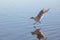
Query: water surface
(15,22)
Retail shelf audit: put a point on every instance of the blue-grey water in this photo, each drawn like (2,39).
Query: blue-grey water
(15,22)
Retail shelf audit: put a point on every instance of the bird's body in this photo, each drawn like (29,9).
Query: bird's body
(40,15)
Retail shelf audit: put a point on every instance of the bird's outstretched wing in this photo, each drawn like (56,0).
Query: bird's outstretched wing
(40,14)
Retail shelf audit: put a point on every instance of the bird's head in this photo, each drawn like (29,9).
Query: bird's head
(31,17)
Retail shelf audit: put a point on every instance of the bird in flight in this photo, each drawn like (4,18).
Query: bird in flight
(40,15)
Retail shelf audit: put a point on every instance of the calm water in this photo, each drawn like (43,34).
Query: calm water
(15,22)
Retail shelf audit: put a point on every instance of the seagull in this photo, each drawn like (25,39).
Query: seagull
(40,15)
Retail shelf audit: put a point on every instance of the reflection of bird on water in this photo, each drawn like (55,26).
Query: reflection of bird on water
(40,15)
(39,34)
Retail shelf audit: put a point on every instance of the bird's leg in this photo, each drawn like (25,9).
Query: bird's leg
(39,21)
(34,23)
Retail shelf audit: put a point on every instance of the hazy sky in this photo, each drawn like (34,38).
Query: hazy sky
(9,3)
(28,4)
